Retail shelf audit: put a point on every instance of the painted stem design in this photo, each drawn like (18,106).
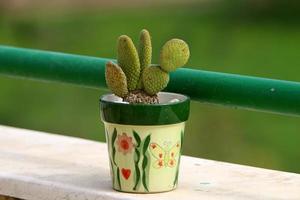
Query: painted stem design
(113,172)
(137,139)
(137,159)
(111,164)
(113,139)
(118,178)
(145,161)
(137,170)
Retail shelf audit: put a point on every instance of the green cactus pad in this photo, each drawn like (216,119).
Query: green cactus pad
(140,85)
(128,60)
(154,79)
(145,49)
(145,54)
(175,53)
(116,79)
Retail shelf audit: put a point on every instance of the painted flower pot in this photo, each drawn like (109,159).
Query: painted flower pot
(145,141)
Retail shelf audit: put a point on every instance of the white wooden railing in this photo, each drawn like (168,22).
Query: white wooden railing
(42,166)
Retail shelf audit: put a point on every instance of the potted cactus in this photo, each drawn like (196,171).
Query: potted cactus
(144,126)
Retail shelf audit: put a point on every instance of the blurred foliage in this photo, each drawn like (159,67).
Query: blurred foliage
(221,38)
(287,10)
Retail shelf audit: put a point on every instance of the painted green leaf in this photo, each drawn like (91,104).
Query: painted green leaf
(118,178)
(176,176)
(137,174)
(110,159)
(147,169)
(112,171)
(144,165)
(114,136)
(137,155)
(145,161)
(146,143)
(182,135)
(137,138)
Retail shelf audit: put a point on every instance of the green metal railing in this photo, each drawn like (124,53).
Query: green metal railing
(213,87)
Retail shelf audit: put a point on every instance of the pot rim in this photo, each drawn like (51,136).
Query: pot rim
(164,113)
(160,94)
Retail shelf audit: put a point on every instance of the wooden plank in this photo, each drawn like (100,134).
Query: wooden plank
(7,198)
(41,166)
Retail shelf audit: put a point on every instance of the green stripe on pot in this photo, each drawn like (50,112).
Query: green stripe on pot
(173,108)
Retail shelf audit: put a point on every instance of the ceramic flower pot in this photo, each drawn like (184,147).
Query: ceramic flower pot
(145,142)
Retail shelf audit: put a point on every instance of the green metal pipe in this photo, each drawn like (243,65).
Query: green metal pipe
(212,87)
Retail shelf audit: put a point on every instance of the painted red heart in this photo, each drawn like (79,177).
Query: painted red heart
(126,173)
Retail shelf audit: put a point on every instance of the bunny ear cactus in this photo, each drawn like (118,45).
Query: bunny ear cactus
(145,49)
(134,78)
(145,54)
(116,79)
(175,53)
(155,79)
(128,60)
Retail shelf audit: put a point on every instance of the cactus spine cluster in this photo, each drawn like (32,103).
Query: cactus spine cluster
(134,72)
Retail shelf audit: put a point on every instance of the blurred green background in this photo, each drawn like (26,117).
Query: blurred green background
(253,37)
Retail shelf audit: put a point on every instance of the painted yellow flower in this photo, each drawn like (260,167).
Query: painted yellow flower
(124,143)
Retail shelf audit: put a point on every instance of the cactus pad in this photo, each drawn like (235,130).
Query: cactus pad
(154,79)
(145,54)
(140,85)
(145,49)
(175,53)
(116,79)
(128,60)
